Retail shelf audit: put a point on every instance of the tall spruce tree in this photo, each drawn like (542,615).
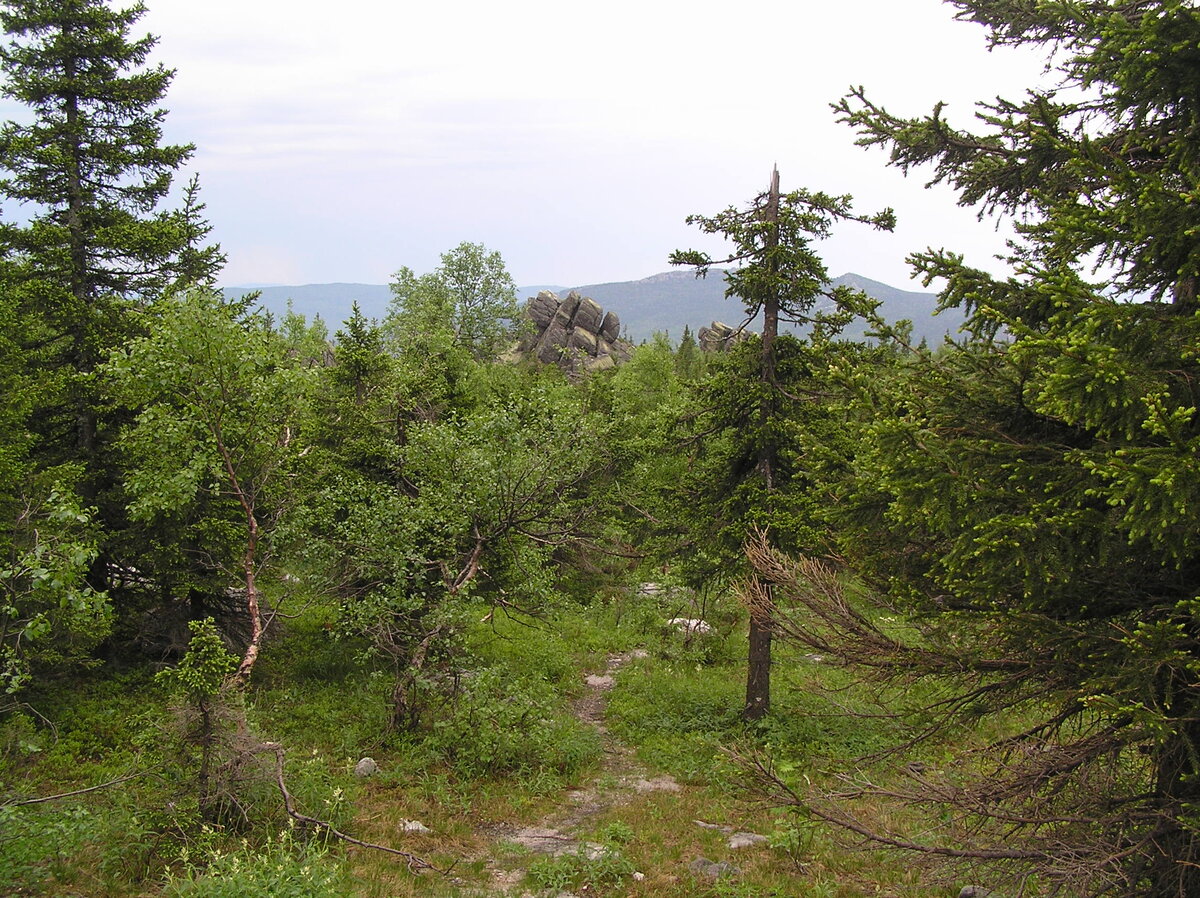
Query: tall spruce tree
(89,170)
(779,275)
(1031,496)
(84,239)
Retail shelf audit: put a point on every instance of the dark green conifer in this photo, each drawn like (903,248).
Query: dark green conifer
(86,245)
(1031,496)
(91,169)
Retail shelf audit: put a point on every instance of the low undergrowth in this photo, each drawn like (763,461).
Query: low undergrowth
(499,747)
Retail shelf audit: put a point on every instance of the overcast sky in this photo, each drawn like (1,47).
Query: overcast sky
(339,141)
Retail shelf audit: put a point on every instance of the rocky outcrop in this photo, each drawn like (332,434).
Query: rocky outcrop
(574,333)
(718,337)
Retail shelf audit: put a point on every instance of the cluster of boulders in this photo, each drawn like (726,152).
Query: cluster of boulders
(574,332)
(718,337)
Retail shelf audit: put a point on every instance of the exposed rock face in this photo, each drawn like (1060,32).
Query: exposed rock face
(718,337)
(574,333)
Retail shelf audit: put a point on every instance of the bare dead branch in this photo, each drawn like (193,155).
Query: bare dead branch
(415,863)
(46,798)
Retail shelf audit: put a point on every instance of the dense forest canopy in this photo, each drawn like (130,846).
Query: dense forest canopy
(936,599)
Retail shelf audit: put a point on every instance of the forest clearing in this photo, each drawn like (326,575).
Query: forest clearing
(481,598)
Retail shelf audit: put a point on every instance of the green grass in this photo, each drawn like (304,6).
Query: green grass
(502,751)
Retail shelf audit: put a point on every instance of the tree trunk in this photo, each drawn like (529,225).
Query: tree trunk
(758,673)
(242,677)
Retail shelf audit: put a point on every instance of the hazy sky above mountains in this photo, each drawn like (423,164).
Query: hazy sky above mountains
(339,141)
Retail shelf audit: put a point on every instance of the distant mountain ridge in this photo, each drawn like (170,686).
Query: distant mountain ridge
(664,302)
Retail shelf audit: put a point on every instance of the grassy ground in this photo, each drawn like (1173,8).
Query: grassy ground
(510,753)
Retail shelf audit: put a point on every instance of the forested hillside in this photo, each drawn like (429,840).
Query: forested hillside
(664,303)
(381,606)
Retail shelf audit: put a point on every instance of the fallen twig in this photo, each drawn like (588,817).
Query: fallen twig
(46,798)
(415,864)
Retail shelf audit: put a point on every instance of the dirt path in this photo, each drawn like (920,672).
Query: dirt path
(620,778)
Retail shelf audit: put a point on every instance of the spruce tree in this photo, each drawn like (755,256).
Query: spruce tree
(689,360)
(779,275)
(1030,497)
(90,170)
(85,242)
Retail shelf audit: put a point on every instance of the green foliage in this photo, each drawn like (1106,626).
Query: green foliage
(197,264)
(1025,496)
(206,666)
(466,499)
(470,297)
(92,157)
(793,836)
(500,725)
(24,388)
(1104,163)
(220,407)
(586,867)
(307,342)
(777,270)
(303,679)
(538,650)
(284,867)
(780,275)
(49,615)
(58,849)
(39,846)
(676,700)
(690,362)
(761,420)
(645,384)
(678,716)
(90,166)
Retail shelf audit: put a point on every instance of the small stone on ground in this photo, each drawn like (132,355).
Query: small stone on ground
(707,869)
(746,840)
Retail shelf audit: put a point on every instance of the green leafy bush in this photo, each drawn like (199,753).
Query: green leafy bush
(532,650)
(205,667)
(499,725)
(678,715)
(587,866)
(676,700)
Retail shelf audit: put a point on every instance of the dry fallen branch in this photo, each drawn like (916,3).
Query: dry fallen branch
(42,800)
(415,864)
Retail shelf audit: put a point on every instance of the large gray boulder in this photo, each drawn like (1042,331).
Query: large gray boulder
(582,340)
(588,316)
(610,328)
(569,304)
(541,308)
(719,336)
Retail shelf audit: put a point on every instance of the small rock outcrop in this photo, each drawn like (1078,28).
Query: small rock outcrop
(574,333)
(719,336)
